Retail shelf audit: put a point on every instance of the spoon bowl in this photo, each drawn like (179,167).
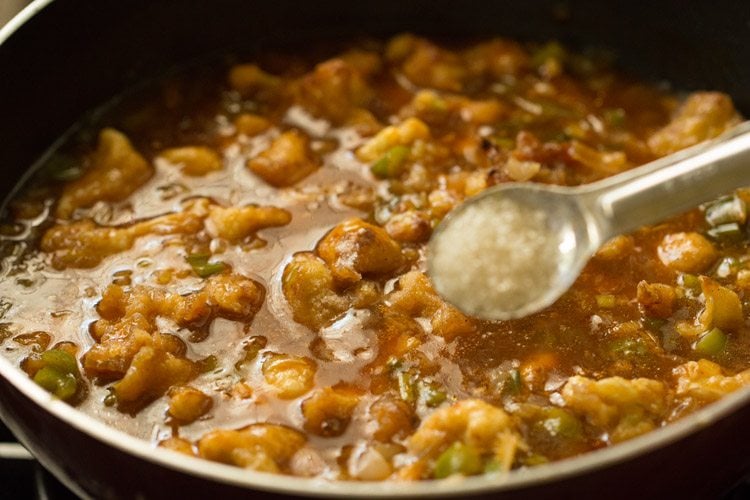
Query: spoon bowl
(556,217)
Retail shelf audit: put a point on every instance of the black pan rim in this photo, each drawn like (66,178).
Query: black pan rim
(315,487)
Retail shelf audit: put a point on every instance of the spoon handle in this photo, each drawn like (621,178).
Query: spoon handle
(672,184)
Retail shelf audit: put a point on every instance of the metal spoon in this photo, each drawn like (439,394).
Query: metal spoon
(579,220)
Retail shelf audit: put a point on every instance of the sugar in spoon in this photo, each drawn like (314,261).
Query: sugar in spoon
(515,249)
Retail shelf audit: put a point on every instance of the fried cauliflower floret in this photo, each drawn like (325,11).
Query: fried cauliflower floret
(430,106)
(147,363)
(409,227)
(487,429)
(187,404)
(111,359)
(628,407)
(369,463)
(426,64)
(497,58)
(723,307)
(249,124)
(704,115)
(332,90)
(365,61)
(193,160)
(116,171)
(85,244)
(179,445)
(262,447)
(151,373)
(704,380)
(249,78)
(230,296)
(287,160)
(328,411)
(314,298)
(354,249)
(121,310)
(687,252)
(521,171)
(616,248)
(656,299)
(390,418)
(415,296)
(237,223)
(290,376)
(481,112)
(403,134)
(602,162)
(308,287)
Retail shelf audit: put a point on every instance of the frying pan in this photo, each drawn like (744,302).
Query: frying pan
(60,58)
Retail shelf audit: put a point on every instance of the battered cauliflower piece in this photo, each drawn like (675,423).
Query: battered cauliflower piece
(403,134)
(332,90)
(287,160)
(230,296)
(116,171)
(601,162)
(425,64)
(354,249)
(84,244)
(687,252)
(146,366)
(179,445)
(704,115)
(704,380)
(250,124)
(616,248)
(487,429)
(656,299)
(290,376)
(367,62)
(249,78)
(111,359)
(187,404)
(627,407)
(497,58)
(150,374)
(415,296)
(315,300)
(723,307)
(130,349)
(391,417)
(308,287)
(328,411)
(237,223)
(431,106)
(409,227)
(193,160)
(261,447)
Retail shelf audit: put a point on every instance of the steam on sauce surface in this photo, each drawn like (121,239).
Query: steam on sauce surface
(230,264)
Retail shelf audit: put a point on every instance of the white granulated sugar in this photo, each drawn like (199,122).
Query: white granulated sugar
(495,257)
